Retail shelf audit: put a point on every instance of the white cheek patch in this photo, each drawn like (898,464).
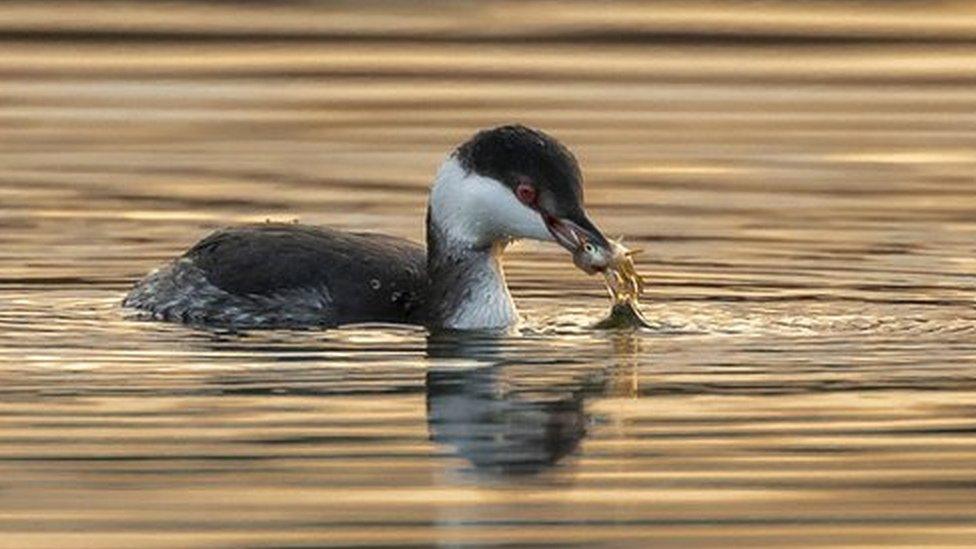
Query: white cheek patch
(480,210)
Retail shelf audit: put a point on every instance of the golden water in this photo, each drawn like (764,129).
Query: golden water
(800,174)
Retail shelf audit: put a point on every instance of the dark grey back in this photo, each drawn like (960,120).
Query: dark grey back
(369,277)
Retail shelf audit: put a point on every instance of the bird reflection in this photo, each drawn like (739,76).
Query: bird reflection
(498,428)
(484,407)
(507,405)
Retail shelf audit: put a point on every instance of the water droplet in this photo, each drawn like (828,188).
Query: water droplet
(375,283)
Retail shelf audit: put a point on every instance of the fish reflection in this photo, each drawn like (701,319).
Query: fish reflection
(498,418)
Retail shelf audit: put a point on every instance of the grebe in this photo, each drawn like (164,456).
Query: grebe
(501,185)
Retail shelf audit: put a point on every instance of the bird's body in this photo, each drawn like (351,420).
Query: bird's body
(283,274)
(503,184)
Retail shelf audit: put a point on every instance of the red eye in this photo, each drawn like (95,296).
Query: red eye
(526,193)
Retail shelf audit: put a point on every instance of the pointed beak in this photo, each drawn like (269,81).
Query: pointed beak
(592,252)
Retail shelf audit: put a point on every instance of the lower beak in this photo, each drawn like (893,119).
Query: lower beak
(592,252)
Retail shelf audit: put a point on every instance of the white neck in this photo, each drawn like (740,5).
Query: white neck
(471,219)
(468,290)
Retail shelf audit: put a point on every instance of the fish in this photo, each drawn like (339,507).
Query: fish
(625,286)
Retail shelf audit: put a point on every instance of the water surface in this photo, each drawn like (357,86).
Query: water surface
(801,177)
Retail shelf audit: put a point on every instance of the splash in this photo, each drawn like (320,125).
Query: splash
(625,286)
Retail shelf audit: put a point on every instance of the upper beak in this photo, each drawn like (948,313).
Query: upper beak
(592,252)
